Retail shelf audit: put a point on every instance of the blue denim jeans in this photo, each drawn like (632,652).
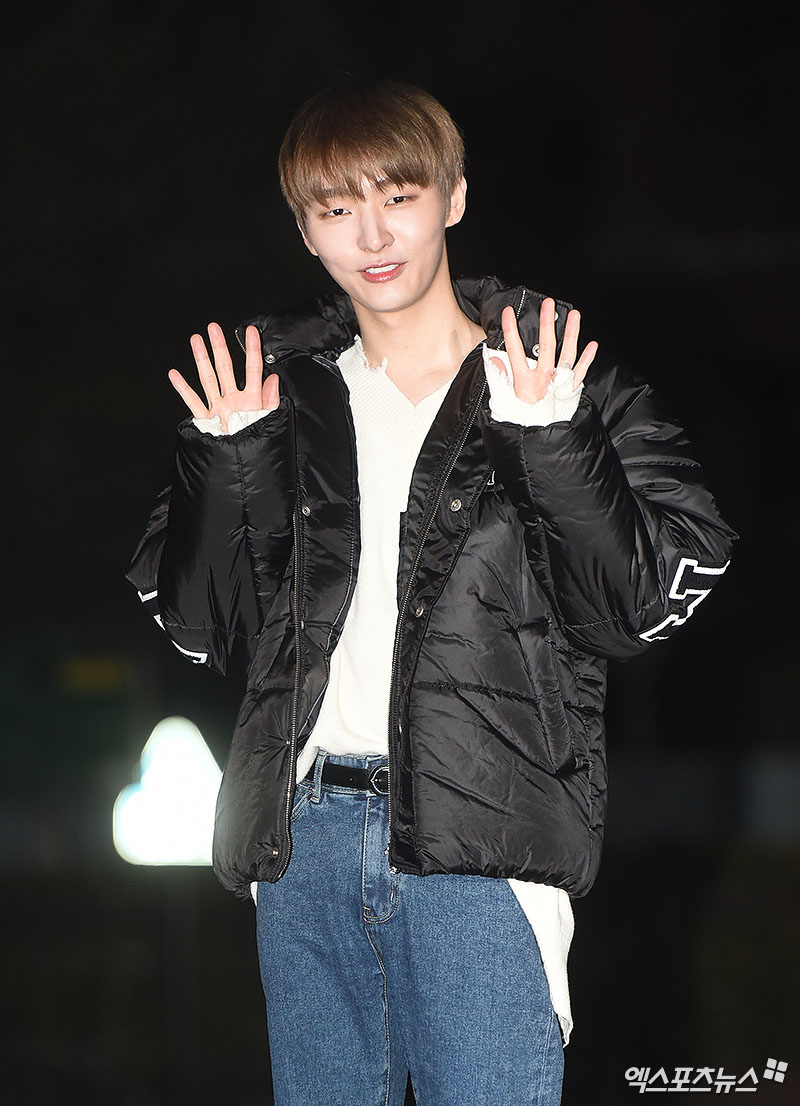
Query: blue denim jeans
(369,974)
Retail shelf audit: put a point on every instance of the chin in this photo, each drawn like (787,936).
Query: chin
(395,296)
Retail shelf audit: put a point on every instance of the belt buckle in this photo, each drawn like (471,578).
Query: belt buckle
(373,779)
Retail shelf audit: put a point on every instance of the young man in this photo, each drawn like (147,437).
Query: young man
(424,532)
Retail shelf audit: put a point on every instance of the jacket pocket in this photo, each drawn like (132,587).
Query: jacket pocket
(537,656)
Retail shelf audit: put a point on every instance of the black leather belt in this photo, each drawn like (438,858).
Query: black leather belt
(360,779)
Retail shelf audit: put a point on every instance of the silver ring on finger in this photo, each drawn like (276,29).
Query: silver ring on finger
(566,365)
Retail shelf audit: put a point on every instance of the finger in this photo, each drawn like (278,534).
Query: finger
(547,335)
(222,359)
(583,364)
(514,346)
(569,347)
(205,370)
(254,365)
(270,394)
(529,382)
(188,395)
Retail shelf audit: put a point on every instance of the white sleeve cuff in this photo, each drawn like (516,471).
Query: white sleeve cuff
(237,420)
(558,404)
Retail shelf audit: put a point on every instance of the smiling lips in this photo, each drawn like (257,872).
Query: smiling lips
(378,274)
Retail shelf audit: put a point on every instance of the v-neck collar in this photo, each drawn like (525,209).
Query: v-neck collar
(357,351)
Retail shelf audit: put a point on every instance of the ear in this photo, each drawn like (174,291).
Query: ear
(458,204)
(305,238)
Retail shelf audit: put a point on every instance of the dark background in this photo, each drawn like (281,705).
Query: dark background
(632,158)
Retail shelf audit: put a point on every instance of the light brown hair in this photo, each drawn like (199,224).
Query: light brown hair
(380,130)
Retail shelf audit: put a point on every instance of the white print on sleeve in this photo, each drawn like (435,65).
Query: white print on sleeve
(680,589)
(194,657)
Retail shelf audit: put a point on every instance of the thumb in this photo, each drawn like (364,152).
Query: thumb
(498,364)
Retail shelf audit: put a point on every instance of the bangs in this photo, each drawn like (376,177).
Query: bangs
(340,172)
(385,134)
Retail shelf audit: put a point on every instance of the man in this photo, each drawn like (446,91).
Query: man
(423,532)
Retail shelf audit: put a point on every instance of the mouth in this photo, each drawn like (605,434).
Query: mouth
(378,274)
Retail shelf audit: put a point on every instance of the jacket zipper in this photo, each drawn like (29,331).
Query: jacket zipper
(350,575)
(294,728)
(409,588)
(393,722)
(296,694)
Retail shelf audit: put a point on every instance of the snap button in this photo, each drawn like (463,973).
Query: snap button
(270,358)
(275,851)
(306,509)
(455,504)
(420,611)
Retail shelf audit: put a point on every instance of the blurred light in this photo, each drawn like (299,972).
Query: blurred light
(168,818)
(84,675)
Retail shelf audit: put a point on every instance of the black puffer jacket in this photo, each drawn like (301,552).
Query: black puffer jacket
(528,555)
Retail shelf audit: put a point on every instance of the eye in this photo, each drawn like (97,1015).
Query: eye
(335,212)
(395,200)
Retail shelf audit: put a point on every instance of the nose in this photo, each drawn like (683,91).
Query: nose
(374,234)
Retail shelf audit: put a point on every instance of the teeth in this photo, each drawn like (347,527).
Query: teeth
(382,269)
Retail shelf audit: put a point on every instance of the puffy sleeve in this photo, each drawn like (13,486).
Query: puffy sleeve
(621,531)
(219,539)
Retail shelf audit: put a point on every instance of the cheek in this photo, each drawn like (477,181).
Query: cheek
(326,255)
(323,245)
(431,233)
(336,252)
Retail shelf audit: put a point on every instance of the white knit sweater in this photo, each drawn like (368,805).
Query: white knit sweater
(353,717)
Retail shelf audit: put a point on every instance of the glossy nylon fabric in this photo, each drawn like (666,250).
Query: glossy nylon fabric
(528,555)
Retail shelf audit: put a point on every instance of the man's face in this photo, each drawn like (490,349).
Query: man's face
(386,251)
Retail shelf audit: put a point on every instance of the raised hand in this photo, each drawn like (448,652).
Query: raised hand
(223,397)
(530,385)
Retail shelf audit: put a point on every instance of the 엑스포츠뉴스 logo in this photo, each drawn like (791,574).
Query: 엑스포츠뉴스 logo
(703,1079)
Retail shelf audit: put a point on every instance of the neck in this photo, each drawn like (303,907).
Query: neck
(432,335)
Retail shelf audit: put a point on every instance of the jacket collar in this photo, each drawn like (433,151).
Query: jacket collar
(327,325)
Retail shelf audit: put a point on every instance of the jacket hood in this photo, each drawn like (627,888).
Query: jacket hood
(328,325)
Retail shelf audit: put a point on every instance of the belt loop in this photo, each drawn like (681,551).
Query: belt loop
(319,764)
